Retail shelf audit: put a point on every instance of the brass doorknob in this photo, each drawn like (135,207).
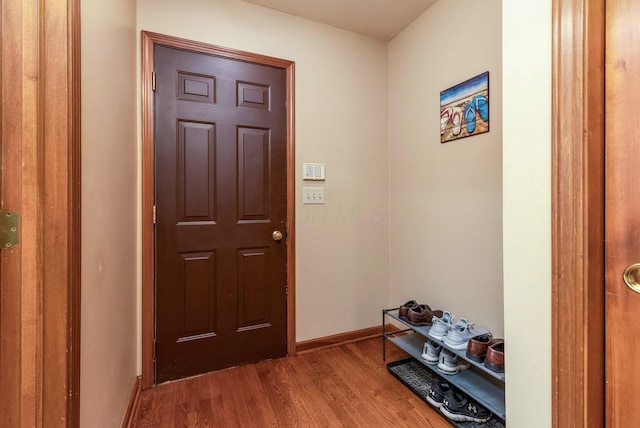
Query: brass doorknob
(276,235)
(631,277)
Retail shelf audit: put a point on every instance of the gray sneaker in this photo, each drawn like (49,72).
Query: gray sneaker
(441,325)
(431,352)
(459,335)
(450,364)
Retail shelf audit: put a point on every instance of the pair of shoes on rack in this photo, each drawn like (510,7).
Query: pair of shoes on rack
(454,404)
(417,314)
(477,347)
(455,336)
(495,357)
(448,363)
(485,349)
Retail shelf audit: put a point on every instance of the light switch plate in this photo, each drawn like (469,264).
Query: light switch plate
(313,171)
(313,195)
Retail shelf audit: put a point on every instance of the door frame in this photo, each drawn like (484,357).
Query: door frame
(149,40)
(40,130)
(578,200)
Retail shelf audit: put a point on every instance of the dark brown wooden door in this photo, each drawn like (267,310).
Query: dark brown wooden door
(622,211)
(220,193)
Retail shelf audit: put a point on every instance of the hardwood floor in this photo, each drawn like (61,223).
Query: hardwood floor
(343,386)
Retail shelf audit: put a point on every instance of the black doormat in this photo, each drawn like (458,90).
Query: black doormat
(418,379)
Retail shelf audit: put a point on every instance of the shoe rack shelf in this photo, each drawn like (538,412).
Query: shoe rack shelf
(480,383)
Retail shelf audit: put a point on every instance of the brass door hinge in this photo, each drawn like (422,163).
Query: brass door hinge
(9,229)
(153,81)
(154,214)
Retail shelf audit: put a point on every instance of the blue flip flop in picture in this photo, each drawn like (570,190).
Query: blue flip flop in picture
(481,104)
(470,117)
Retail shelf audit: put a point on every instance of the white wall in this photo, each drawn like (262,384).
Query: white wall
(341,120)
(109,195)
(527,210)
(446,199)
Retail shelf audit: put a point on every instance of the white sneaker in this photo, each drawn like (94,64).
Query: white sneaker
(459,335)
(441,326)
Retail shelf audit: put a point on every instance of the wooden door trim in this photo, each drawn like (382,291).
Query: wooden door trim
(60,104)
(578,213)
(149,40)
(41,128)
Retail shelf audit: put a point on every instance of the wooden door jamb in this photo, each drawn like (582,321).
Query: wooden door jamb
(40,363)
(578,213)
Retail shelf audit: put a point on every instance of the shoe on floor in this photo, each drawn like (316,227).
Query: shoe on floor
(450,364)
(441,325)
(461,408)
(459,335)
(439,389)
(421,315)
(431,352)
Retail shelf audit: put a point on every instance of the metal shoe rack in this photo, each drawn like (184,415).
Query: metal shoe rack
(483,385)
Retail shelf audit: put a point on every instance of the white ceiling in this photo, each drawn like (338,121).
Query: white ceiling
(382,19)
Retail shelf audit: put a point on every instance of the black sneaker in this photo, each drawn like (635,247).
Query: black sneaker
(460,408)
(439,389)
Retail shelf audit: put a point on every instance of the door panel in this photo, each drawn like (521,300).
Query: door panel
(253,174)
(622,210)
(220,192)
(196,159)
(198,271)
(253,295)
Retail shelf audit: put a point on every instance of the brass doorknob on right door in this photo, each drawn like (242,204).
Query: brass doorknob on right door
(276,235)
(631,277)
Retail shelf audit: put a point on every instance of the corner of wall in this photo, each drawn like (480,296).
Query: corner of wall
(527,209)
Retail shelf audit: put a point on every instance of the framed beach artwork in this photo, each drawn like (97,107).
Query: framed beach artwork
(464,109)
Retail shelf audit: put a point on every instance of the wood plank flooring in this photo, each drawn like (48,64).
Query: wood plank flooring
(343,386)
